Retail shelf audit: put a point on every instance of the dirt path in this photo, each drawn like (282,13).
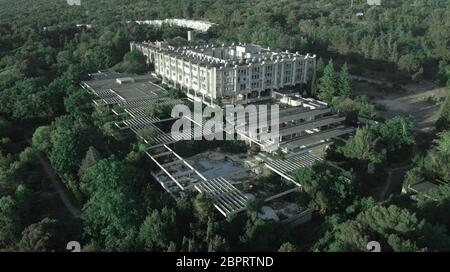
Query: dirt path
(388,184)
(413,101)
(60,188)
(371,80)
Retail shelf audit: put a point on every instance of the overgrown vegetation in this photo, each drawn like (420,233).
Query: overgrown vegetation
(44,55)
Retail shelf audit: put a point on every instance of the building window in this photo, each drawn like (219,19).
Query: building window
(242,72)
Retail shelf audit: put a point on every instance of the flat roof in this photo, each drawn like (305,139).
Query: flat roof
(316,123)
(200,54)
(317,137)
(141,86)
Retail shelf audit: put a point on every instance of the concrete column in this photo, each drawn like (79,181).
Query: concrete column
(249,76)
(305,70)
(235,80)
(294,71)
(263,76)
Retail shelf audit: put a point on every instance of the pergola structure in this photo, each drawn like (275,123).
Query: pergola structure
(135,96)
(227,198)
(303,124)
(287,167)
(141,107)
(176,175)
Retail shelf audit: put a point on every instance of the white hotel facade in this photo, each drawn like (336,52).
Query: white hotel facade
(235,74)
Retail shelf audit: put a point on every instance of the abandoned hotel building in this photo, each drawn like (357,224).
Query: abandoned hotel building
(235,74)
(232,73)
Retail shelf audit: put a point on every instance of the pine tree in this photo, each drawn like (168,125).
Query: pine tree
(344,84)
(91,158)
(377,50)
(362,146)
(327,83)
(287,247)
(172,247)
(394,53)
(217,244)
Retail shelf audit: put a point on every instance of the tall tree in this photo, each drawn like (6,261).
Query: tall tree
(41,138)
(70,140)
(159,230)
(203,207)
(259,234)
(437,161)
(90,159)
(344,83)
(396,133)
(326,189)
(287,247)
(362,146)
(327,83)
(78,103)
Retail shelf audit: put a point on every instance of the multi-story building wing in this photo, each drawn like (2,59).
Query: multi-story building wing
(235,74)
(198,25)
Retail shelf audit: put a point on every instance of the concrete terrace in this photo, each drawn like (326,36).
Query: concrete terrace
(304,123)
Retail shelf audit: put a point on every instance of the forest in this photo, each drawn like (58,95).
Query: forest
(48,121)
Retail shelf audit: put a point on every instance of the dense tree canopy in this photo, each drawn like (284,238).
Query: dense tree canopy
(327,189)
(363,146)
(43,236)
(44,55)
(112,214)
(134,62)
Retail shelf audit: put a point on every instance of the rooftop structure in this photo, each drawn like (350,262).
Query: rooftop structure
(232,73)
(115,87)
(303,123)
